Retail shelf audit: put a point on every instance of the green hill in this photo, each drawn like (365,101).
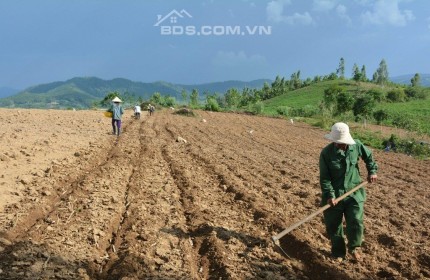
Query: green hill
(82,92)
(413,115)
(312,95)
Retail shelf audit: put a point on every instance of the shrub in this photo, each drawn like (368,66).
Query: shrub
(212,105)
(380,115)
(396,95)
(377,94)
(306,112)
(256,108)
(284,110)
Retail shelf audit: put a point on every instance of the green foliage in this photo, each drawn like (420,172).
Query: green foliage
(284,110)
(232,98)
(107,100)
(406,122)
(356,74)
(155,98)
(212,105)
(380,116)
(184,96)
(363,106)
(381,75)
(330,96)
(307,111)
(368,138)
(416,80)
(396,95)
(344,102)
(415,92)
(340,71)
(194,98)
(295,82)
(377,94)
(411,147)
(363,74)
(256,108)
(168,101)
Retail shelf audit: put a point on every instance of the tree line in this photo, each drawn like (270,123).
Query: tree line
(336,99)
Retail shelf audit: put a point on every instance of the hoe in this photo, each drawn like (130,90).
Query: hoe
(311,216)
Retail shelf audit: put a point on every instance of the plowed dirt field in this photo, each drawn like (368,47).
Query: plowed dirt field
(80,203)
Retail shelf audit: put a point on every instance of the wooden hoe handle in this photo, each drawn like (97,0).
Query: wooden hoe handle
(322,209)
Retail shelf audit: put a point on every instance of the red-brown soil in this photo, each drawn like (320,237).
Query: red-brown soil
(80,203)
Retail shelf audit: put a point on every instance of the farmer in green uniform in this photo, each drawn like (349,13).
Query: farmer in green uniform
(339,173)
(117,112)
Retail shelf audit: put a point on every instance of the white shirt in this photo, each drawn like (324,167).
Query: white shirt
(137,109)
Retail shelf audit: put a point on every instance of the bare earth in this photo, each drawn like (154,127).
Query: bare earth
(79,203)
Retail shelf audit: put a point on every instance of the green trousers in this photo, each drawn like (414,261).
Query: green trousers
(333,219)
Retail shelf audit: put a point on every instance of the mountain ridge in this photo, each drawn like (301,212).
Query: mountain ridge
(82,92)
(406,79)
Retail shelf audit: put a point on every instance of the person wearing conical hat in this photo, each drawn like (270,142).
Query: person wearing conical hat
(339,173)
(117,112)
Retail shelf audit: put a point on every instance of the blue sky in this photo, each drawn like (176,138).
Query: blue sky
(55,40)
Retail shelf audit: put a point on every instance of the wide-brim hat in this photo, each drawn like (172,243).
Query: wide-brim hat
(116,99)
(340,134)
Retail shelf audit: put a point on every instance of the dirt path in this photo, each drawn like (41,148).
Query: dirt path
(145,206)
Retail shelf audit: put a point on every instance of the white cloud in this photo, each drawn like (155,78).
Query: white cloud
(324,5)
(297,18)
(239,59)
(387,12)
(275,13)
(342,13)
(275,9)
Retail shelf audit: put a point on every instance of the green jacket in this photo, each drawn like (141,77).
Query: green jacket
(117,112)
(339,170)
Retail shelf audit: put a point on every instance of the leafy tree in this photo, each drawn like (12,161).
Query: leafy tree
(169,101)
(295,81)
(413,92)
(330,96)
(363,106)
(156,98)
(380,116)
(356,74)
(396,95)
(416,80)
(211,103)
(330,77)
(363,74)
(279,86)
(232,98)
(344,102)
(340,71)
(257,108)
(184,95)
(381,75)
(376,94)
(108,98)
(249,96)
(194,98)
(266,91)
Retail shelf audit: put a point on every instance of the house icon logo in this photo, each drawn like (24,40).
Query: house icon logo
(174,15)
